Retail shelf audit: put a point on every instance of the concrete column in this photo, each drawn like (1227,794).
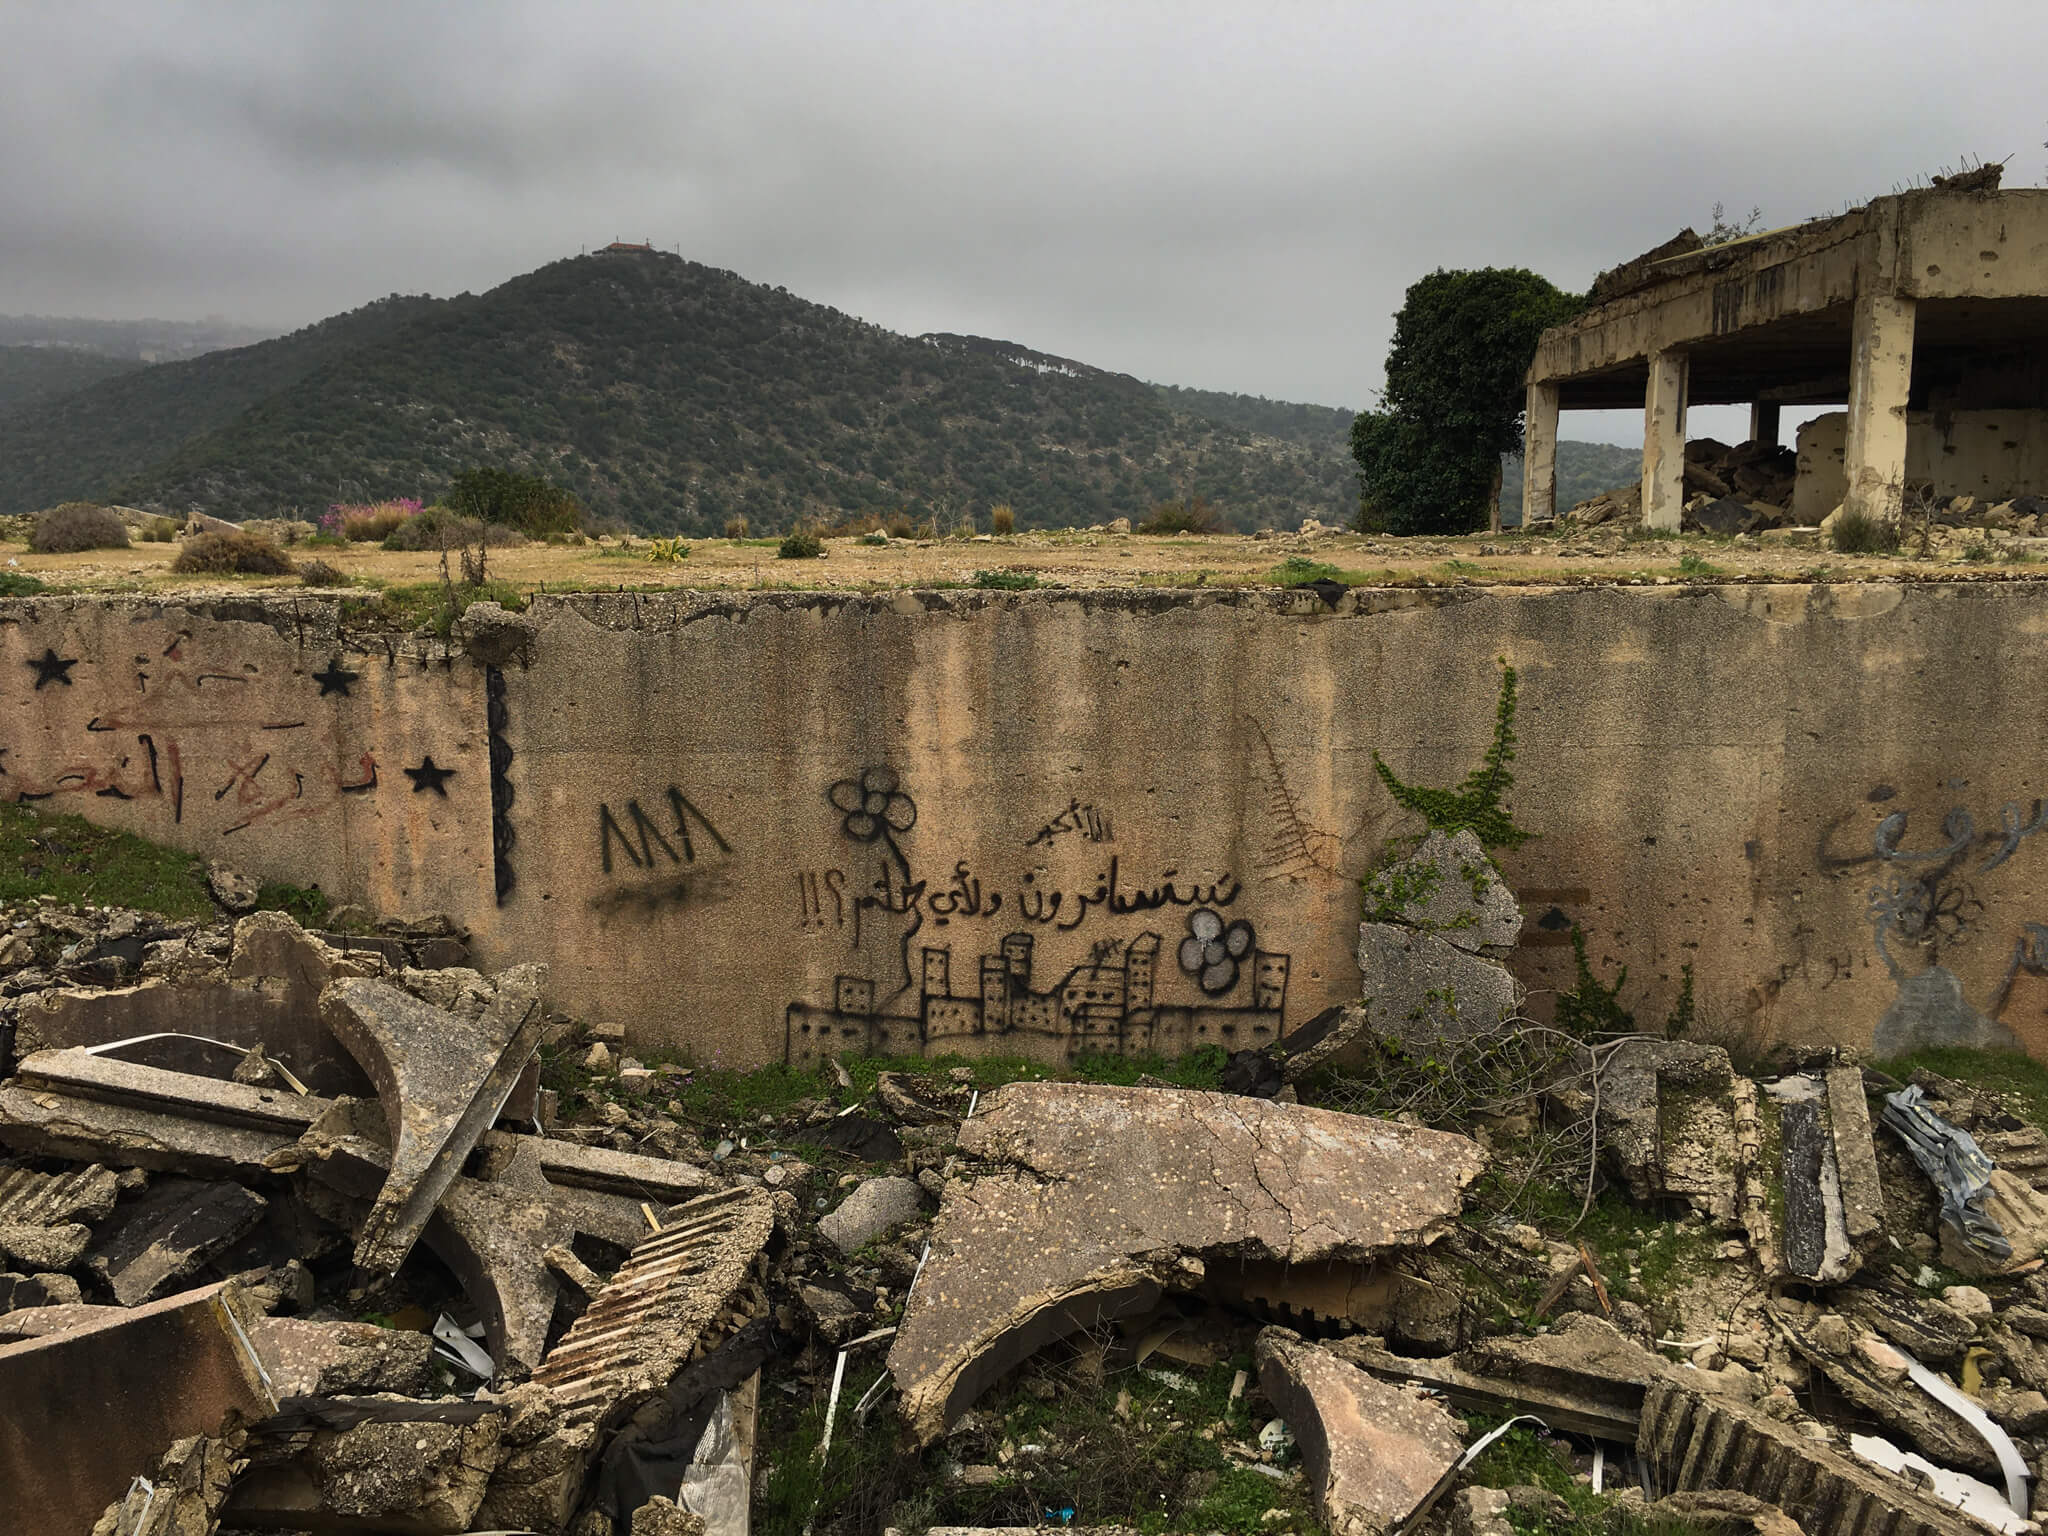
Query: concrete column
(1763,422)
(1880,373)
(1664,441)
(1539,456)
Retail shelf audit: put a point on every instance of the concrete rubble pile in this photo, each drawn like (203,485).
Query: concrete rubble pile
(228,1143)
(295,1240)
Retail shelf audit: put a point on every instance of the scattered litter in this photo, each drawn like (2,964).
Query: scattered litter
(1275,1437)
(457,1347)
(1974,1497)
(1956,1164)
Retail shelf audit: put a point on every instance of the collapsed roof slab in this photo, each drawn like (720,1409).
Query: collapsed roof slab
(1866,308)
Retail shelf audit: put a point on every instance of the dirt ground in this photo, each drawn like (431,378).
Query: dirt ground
(1082,559)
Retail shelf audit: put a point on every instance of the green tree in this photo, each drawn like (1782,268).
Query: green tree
(1429,457)
(525,502)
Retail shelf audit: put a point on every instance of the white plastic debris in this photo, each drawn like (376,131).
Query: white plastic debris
(1275,1437)
(1971,1495)
(458,1348)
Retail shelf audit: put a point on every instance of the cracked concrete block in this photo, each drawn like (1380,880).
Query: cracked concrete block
(109,1395)
(39,1292)
(1423,989)
(1449,887)
(416,1472)
(1118,1193)
(661,1517)
(308,1358)
(1862,1188)
(54,1248)
(442,1079)
(165,1237)
(1373,1453)
(876,1206)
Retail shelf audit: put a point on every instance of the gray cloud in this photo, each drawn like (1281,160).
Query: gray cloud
(1229,196)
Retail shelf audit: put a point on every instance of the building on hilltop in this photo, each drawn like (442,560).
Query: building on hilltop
(1923,315)
(623,247)
(1105,1006)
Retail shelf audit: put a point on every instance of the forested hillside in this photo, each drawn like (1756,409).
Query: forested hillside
(85,444)
(29,374)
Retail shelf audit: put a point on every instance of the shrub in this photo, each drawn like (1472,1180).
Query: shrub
(1192,515)
(14,584)
(667,551)
(437,524)
(524,502)
(77,525)
(318,573)
(800,544)
(1002,518)
(369,522)
(1006,581)
(735,527)
(878,539)
(161,530)
(1858,533)
(901,527)
(225,554)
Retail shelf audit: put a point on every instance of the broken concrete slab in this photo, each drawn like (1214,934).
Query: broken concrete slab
(110,1395)
(308,1358)
(1374,1453)
(1860,1185)
(1667,1127)
(494,1232)
(84,1107)
(414,1469)
(1120,1191)
(1694,1441)
(876,1206)
(1423,990)
(45,1199)
(1449,887)
(164,1238)
(678,1291)
(1873,1375)
(32,1293)
(442,1078)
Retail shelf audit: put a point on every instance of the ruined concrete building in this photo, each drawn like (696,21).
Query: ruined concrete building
(1923,315)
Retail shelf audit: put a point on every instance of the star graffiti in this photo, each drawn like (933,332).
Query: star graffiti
(427,776)
(335,679)
(52,668)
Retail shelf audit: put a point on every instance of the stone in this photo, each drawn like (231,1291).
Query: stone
(16,953)
(1449,887)
(1373,1453)
(2023,1413)
(1723,515)
(661,1517)
(1422,989)
(308,1358)
(54,1248)
(109,1395)
(442,1080)
(876,1207)
(598,1058)
(1722,1512)
(1860,1186)
(235,892)
(1969,1301)
(164,1238)
(1112,1194)
(1480,1512)
(1666,1125)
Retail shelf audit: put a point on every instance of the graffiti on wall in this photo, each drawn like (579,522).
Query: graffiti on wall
(174,728)
(1927,902)
(1219,986)
(671,856)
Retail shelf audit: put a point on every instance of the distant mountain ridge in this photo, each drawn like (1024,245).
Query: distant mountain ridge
(673,396)
(29,374)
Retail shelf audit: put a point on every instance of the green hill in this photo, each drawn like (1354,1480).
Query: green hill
(82,444)
(674,396)
(1583,470)
(29,374)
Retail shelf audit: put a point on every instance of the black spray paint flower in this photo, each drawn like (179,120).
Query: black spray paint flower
(874,806)
(1211,950)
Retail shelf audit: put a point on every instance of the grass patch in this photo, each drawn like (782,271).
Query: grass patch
(1857,533)
(15,584)
(1692,563)
(2009,1074)
(1006,581)
(73,861)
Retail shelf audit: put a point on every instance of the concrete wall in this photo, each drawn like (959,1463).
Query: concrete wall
(1992,455)
(785,822)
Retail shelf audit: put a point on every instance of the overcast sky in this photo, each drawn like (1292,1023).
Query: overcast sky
(1226,196)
